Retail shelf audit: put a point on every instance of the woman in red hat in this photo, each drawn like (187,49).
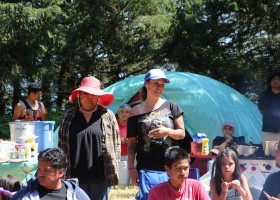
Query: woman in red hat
(89,135)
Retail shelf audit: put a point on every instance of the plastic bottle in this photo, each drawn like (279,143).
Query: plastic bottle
(27,150)
(205,146)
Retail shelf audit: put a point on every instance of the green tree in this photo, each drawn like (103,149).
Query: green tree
(31,38)
(59,42)
(228,40)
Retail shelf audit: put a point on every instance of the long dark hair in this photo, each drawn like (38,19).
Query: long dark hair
(217,170)
(143,93)
(270,77)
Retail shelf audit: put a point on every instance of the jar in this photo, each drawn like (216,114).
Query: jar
(20,151)
(13,154)
(34,150)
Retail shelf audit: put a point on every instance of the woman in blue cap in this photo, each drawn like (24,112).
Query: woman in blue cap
(155,124)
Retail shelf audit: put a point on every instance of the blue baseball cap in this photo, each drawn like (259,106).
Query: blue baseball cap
(155,74)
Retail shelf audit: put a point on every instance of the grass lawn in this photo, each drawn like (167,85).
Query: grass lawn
(123,192)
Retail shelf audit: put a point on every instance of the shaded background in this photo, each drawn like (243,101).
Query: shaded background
(206,102)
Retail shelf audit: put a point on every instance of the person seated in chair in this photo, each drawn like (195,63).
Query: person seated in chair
(179,186)
(220,142)
(49,183)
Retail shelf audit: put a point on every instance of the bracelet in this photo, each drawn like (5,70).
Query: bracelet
(223,192)
(131,168)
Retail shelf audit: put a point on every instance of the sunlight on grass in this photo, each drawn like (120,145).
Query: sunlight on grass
(123,192)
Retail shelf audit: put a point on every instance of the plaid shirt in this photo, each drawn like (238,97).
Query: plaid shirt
(110,142)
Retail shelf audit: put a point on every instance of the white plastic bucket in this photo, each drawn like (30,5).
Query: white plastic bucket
(123,173)
(18,129)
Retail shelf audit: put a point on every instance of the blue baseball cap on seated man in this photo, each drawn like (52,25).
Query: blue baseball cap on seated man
(155,74)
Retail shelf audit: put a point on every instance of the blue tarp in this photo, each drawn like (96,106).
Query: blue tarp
(206,102)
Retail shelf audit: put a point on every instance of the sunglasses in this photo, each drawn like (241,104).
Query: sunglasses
(228,128)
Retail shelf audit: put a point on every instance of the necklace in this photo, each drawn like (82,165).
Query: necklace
(85,111)
(88,112)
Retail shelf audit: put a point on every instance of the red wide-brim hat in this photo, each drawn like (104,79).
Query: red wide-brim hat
(92,85)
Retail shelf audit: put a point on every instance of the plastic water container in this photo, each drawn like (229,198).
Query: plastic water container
(123,173)
(44,129)
(18,129)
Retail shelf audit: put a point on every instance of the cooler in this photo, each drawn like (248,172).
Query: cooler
(19,129)
(44,129)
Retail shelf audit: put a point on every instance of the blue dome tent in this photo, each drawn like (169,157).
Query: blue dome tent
(206,102)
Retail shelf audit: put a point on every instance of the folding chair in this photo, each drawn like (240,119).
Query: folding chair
(150,178)
(194,173)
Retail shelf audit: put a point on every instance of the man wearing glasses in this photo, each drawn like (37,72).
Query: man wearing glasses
(220,143)
(271,187)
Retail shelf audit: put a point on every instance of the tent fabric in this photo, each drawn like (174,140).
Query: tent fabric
(206,102)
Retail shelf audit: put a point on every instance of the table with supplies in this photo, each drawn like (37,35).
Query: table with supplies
(200,162)
(22,169)
(34,137)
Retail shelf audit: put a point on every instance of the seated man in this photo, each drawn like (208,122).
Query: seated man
(271,187)
(220,142)
(179,186)
(48,184)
